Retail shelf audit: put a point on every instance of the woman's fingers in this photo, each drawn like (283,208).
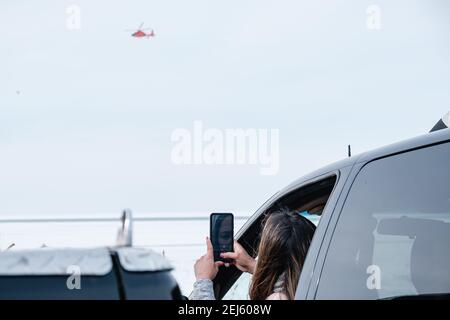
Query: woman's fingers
(209,247)
(229,255)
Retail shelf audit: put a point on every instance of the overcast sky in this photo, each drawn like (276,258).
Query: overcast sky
(86,116)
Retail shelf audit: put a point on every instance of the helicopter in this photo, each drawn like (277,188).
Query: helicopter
(141,32)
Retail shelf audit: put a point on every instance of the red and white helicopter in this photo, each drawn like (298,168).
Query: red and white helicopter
(141,32)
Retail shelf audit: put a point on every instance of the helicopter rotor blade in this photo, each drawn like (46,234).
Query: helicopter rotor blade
(140,27)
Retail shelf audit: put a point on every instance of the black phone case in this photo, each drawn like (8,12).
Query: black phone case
(217,253)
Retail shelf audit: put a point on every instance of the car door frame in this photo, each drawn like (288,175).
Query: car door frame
(309,272)
(326,234)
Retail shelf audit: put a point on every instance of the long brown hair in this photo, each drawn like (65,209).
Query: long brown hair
(285,240)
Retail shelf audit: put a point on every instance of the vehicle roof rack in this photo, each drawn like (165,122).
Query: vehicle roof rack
(125,233)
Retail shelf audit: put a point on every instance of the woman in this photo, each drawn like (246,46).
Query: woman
(285,240)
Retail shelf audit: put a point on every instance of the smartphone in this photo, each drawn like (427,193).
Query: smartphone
(221,234)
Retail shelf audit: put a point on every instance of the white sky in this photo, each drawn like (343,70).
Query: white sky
(90,131)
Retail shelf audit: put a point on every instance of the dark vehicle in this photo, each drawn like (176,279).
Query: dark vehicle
(383,225)
(119,273)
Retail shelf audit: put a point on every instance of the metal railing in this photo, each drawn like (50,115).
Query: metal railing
(125,231)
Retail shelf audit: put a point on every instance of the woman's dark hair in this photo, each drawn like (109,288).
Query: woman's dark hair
(285,240)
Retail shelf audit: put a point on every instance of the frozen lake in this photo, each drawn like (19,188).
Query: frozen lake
(180,237)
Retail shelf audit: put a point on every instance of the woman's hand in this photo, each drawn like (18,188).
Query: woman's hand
(241,259)
(205,267)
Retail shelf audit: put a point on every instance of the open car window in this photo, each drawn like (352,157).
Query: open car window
(240,289)
(308,200)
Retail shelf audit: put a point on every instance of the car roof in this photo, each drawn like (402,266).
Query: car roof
(394,148)
(405,145)
(90,261)
(141,259)
(51,261)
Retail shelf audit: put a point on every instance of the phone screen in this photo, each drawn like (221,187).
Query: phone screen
(222,233)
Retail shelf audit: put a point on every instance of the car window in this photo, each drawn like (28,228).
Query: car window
(307,200)
(393,235)
(240,289)
(59,287)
